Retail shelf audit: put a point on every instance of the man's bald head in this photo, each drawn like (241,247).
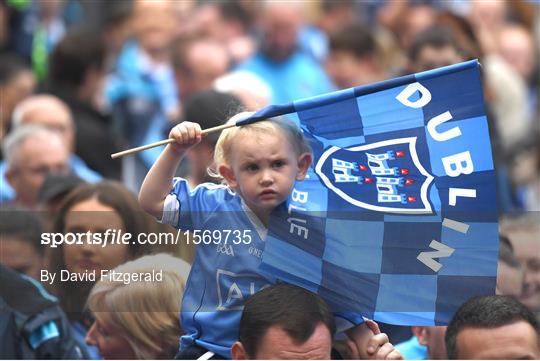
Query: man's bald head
(211,55)
(198,63)
(47,111)
(154,24)
(281,22)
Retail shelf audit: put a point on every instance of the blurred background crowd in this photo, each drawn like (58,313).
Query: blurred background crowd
(121,73)
(82,79)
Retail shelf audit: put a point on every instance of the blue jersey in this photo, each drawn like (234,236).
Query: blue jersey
(223,275)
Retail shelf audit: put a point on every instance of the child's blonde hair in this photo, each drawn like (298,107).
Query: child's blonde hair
(224,144)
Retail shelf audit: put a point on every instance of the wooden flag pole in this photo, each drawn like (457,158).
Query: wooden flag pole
(167,141)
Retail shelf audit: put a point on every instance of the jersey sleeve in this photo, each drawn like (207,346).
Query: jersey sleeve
(187,209)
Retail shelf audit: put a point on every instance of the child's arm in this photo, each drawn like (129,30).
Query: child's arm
(157,183)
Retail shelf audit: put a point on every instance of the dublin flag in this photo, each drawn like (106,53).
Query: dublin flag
(397,220)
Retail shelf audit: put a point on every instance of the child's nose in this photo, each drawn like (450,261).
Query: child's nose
(90,339)
(266,178)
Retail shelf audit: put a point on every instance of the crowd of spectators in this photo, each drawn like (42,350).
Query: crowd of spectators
(82,79)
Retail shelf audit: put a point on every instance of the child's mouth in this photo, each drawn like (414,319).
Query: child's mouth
(267,193)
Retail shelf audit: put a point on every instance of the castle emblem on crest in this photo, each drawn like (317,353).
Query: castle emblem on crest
(385,176)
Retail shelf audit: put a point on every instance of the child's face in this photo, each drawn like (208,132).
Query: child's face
(263,170)
(110,340)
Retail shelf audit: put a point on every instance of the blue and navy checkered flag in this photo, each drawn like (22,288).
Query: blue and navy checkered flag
(397,219)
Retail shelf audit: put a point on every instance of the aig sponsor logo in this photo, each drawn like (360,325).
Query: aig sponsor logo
(235,288)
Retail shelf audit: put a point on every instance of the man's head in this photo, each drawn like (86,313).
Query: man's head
(523,233)
(154,24)
(47,111)
(280,23)
(116,24)
(516,45)
(76,68)
(222,20)
(433,48)
(490,14)
(336,13)
(417,18)
(20,248)
(285,322)
(493,327)
(198,62)
(353,56)
(32,152)
(433,338)
(509,271)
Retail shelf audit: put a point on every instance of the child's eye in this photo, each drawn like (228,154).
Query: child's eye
(251,167)
(102,331)
(278,164)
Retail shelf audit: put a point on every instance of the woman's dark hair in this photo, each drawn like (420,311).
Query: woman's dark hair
(114,195)
(73,296)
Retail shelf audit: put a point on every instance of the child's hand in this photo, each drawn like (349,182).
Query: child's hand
(366,342)
(186,134)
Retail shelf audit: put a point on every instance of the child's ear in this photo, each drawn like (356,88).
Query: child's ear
(227,173)
(304,161)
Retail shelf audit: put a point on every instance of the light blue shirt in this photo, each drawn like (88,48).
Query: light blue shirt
(412,350)
(297,77)
(140,93)
(223,275)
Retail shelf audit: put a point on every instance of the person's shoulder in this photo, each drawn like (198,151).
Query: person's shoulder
(218,190)
(37,317)
(127,79)
(181,185)
(30,298)
(301,56)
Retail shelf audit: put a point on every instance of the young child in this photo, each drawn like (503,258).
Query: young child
(260,163)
